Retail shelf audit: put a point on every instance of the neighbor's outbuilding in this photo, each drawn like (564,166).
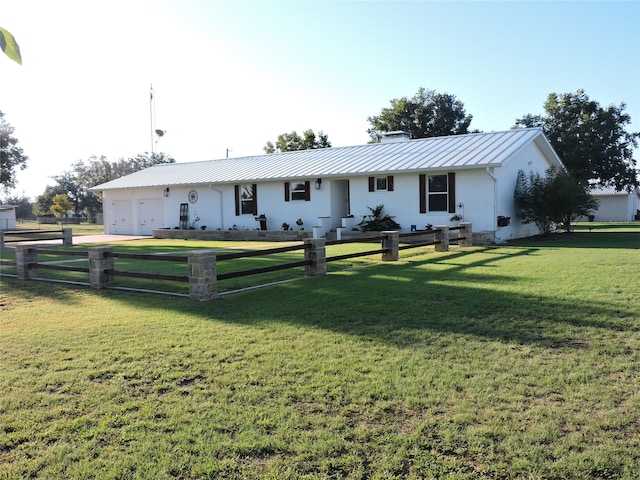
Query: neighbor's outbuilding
(7,217)
(616,206)
(437,181)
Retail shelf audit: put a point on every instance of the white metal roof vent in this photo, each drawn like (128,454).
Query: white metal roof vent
(395,137)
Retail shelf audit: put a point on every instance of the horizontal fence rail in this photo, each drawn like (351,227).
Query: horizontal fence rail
(202,276)
(15,236)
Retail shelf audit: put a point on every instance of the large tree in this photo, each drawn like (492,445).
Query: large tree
(289,142)
(592,141)
(426,114)
(75,183)
(12,157)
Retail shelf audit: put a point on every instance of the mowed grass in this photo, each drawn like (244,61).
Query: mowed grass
(514,361)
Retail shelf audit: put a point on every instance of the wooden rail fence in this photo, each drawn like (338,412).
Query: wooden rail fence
(202,276)
(12,236)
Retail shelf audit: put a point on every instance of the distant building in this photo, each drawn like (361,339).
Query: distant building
(8,217)
(615,206)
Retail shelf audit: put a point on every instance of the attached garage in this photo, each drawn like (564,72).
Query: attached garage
(121,217)
(150,215)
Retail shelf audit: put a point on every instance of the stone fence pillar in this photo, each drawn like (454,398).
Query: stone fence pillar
(314,250)
(391,243)
(67,237)
(442,235)
(203,282)
(100,259)
(466,232)
(25,255)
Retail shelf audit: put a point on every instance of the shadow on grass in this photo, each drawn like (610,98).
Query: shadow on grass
(400,304)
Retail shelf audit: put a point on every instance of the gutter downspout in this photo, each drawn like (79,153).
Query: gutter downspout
(221,209)
(489,171)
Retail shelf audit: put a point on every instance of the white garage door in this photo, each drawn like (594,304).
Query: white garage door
(121,217)
(151,215)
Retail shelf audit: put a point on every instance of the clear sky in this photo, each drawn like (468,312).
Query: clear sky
(236,74)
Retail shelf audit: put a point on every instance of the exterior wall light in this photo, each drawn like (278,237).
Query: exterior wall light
(166,192)
(318,183)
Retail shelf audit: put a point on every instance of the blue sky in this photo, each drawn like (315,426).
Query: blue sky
(236,74)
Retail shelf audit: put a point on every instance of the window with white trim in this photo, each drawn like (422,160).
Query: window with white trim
(246,199)
(298,190)
(438,193)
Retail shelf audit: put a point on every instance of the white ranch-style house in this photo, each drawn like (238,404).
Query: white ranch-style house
(431,181)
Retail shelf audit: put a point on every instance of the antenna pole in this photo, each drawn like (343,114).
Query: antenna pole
(151,103)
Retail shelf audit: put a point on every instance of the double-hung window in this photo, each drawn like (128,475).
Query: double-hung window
(246,199)
(297,190)
(438,193)
(381,184)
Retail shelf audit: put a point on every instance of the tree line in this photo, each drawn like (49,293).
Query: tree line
(592,141)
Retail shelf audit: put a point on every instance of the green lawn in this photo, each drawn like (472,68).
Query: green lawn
(501,362)
(79,229)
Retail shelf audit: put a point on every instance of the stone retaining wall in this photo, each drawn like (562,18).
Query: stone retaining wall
(235,235)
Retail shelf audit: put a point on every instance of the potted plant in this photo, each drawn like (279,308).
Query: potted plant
(285,226)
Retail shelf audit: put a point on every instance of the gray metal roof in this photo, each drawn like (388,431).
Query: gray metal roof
(604,191)
(476,150)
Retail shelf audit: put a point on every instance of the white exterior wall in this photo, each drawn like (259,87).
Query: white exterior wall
(615,208)
(7,219)
(529,159)
(476,194)
(215,208)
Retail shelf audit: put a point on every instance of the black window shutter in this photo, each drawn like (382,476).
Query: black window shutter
(286,191)
(254,187)
(390,183)
(372,184)
(422,180)
(237,189)
(451,180)
(307,191)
